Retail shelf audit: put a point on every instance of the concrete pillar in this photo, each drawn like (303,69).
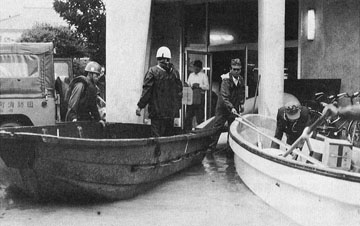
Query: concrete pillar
(271,55)
(127,27)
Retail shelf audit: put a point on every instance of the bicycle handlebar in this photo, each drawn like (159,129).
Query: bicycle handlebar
(339,96)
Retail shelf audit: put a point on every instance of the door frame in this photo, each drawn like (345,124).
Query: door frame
(207,70)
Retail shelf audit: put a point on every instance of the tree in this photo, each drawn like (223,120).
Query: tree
(88,18)
(66,42)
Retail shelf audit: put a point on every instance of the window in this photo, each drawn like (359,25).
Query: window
(233,22)
(61,70)
(19,66)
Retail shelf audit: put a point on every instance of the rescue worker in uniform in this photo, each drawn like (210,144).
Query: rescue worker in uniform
(291,119)
(82,96)
(162,92)
(231,99)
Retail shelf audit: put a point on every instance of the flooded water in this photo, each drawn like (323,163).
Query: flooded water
(207,194)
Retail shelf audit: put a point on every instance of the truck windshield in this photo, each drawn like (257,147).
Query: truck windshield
(19,66)
(61,70)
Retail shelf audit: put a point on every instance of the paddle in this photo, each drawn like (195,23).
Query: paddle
(256,93)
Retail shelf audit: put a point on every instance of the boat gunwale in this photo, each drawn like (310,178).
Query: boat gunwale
(48,138)
(329,172)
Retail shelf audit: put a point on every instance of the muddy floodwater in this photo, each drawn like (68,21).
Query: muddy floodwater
(207,194)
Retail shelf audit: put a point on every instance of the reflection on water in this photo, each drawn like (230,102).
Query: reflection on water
(211,193)
(221,164)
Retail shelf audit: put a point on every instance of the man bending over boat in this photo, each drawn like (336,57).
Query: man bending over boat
(162,91)
(81,96)
(231,99)
(348,112)
(291,119)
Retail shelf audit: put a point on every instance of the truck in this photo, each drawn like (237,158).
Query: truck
(27,84)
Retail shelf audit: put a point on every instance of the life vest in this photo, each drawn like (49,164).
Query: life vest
(87,99)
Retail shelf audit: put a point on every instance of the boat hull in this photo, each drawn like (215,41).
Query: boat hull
(110,166)
(45,184)
(307,194)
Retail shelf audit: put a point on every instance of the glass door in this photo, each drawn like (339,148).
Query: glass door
(206,110)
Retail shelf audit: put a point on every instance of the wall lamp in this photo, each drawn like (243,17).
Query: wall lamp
(311,24)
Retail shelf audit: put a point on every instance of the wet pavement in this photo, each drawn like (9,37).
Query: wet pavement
(207,194)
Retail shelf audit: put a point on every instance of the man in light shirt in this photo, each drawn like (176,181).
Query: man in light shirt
(199,82)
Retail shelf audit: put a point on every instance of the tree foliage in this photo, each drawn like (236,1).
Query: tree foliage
(88,18)
(66,42)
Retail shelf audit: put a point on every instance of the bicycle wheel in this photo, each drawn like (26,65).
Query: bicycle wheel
(353,133)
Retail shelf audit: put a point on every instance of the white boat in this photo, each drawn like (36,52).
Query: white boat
(250,107)
(311,194)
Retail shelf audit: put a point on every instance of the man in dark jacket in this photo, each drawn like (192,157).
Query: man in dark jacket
(162,91)
(231,99)
(82,96)
(291,120)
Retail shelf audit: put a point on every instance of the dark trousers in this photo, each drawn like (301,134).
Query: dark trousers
(162,127)
(196,110)
(220,120)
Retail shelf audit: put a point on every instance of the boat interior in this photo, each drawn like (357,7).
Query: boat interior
(322,151)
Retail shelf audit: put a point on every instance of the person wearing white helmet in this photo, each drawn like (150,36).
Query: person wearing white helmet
(81,96)
(291,119)
(162,92)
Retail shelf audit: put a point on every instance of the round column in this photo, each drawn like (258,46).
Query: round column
(127,27)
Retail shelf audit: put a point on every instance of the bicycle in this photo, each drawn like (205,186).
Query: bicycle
(332,128)
(315,106)
(353,130)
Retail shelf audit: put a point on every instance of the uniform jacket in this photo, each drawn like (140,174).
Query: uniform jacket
(162,91)
(231,95)
(81,98)
(294,129)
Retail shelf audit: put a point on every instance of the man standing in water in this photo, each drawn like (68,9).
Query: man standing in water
(162,91)
(231,99)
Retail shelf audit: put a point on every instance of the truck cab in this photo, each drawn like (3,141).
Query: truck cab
(27,84)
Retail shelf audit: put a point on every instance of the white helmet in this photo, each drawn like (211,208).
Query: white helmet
(163,52)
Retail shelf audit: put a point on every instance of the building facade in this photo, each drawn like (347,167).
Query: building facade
(215,31)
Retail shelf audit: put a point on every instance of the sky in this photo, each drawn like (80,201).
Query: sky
(13,7)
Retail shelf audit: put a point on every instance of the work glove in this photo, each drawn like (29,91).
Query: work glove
(138,111)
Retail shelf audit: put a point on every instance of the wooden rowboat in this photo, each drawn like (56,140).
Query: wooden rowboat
(85,160)
(306,190)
